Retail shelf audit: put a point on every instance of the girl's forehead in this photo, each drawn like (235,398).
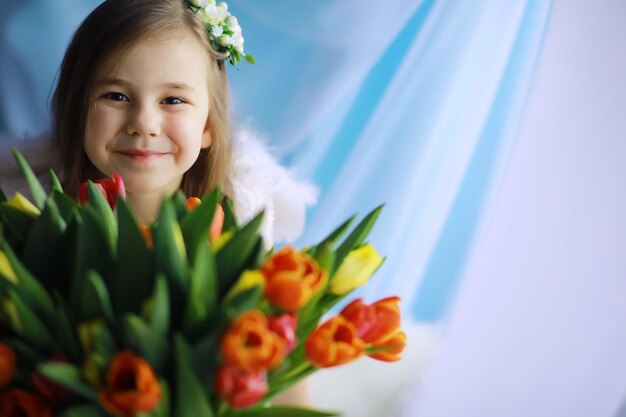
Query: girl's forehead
(153,56)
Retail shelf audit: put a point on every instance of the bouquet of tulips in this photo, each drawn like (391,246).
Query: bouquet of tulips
(187,317)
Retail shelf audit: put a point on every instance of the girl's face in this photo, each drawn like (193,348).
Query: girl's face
(149,117)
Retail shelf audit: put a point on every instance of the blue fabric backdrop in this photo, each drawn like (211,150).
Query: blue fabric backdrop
(413,103)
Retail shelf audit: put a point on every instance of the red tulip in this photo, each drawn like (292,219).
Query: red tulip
(110,188)
(285,327)
(48,389)
(240,388)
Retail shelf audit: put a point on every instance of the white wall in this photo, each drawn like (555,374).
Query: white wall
(539,325)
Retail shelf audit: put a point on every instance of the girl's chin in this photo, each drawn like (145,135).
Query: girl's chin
(137,189)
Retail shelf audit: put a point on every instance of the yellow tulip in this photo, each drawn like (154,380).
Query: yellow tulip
(10,310)
(355,270)
(21,203)
(221,241)
(247,280)
(6,270)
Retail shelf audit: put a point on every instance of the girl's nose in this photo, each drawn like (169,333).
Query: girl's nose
(144,122)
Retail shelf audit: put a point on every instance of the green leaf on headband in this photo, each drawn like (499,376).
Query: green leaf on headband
(250,59)
(39,195)
(191,400)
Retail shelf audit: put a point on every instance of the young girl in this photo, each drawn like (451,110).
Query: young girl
(143,92)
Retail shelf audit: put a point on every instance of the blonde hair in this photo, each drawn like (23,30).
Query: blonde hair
(108,33)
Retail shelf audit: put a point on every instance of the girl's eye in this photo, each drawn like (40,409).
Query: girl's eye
(173,100)
(116,97)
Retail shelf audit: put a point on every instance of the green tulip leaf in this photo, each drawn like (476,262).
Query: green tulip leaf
(142,338)
(3,196)
(158,307)
(55,183)
(230,220)
(203,287)
(196,225)
(70,377)
(95,299)
(180,206)
(104,215)
(45,245)
(191,399)
(170,257)
(358,235)
(134,272)
(67,207)
(31,327)
(37,191)
(89,250)
(17,221)
(83,410)
(231,259)
(338,232)
(28,287)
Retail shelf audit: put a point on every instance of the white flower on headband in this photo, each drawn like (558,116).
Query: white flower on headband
(199,3)
(223,28)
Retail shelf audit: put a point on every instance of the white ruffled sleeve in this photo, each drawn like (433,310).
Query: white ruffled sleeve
(257,182)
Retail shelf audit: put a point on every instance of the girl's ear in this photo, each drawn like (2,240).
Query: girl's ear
(207,139)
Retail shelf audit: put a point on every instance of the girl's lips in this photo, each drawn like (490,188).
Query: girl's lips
(142,156)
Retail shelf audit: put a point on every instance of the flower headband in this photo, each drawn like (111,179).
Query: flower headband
(224,30)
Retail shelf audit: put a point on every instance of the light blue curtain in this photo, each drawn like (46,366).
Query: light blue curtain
(412,103)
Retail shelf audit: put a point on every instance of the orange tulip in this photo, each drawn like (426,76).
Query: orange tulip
(334,343)
(218,218)
(292,278)
(378,325)
(249,344)
(17,402)
(193,202)
(392,348)
(131,386)
(147,235)
(7,364)
(240,388)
